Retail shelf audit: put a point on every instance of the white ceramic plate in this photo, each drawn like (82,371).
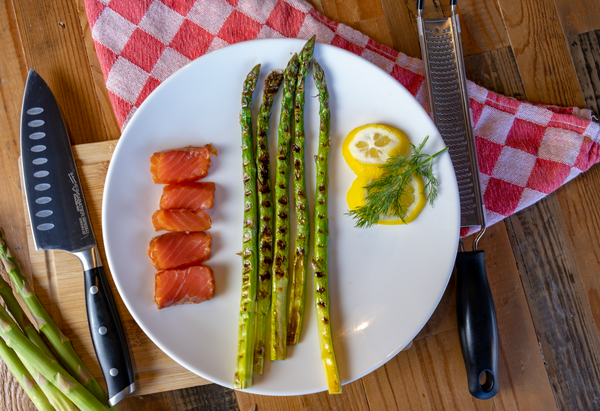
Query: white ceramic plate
(385,281)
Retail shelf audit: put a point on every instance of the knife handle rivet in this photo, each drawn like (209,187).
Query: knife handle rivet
(93,289)
(39,161)
(114,372)
(102,330)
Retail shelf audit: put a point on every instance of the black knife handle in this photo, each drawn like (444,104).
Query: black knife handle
(108,335)
(477,326)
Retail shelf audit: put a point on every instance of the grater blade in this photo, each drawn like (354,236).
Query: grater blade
(443,65)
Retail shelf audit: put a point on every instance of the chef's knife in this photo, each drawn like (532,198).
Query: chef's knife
(60,221)
(441,49)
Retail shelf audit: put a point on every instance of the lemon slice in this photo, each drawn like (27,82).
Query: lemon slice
(413,201)
(369,146)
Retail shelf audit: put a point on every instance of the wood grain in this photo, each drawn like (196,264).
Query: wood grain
(12,80)
(109,119)
(402,23)
(52,40)
(541,52)
(485,23)
(206,397)
(558,303)
(363,15)
(430,375)
(578,16)
(585,50)
(578,203)
(496,70)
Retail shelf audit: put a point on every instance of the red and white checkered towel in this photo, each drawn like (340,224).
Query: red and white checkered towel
(525,151)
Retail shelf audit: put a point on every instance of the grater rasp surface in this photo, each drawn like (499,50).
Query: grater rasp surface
(443,65)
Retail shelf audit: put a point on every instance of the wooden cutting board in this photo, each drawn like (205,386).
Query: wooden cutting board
(58,280)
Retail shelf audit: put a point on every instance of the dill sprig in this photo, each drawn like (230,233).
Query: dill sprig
(384,194)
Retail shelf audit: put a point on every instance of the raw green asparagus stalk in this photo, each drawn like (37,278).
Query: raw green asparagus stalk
(49,368)
(265,236)
(61,344)
(23,376)
(319,262)
(247,318)
(301,246)
(21,319)
(282,210)
(55,397)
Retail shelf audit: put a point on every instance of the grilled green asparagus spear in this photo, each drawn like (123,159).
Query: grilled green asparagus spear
(319,262)
(301,246)
(49,368)
(54,396)
(23,376)
(282,209)
(47,326)
(265,236)
(247,318)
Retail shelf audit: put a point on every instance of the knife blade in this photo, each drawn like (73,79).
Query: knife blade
(441,49)
(60,221)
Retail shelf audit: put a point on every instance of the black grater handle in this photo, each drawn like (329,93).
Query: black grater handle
(477,326)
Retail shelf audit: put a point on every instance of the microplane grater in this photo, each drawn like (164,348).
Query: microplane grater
(444,70)
(441,48)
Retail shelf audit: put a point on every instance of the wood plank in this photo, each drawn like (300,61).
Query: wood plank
(353,398)
(402,25)
(557,300)
(578,203)
(317,4)
(206,397)
(12,397)
(54,47)
(375,28)
(578,16)
(155,402)
(481,22)
(411,380)
(541,51)
(497,71)
(485,24)
(363,15)
(585,50)
(246,401)
(523,379)
(108,115)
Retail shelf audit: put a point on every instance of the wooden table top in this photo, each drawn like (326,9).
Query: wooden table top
(542,263)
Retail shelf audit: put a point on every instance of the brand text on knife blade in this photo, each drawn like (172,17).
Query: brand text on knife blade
(79,205)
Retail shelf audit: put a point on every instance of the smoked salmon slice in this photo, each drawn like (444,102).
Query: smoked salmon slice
(179,249)
(190,196)
(181,220)
(181,165)
(190,285)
